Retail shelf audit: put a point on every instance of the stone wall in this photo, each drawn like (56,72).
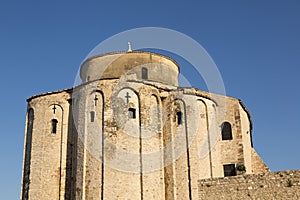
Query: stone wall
(272,185)
(258,165)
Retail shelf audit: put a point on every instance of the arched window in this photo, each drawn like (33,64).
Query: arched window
(131,113)
(179,118)
(54,125)
(226,131)
(92,113)
(144,73)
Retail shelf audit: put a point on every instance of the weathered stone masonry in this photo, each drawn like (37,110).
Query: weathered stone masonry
(271,185)
(129,132)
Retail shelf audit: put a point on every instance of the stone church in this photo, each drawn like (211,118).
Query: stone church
(128,131)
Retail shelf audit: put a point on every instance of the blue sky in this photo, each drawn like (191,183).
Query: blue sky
(255,45)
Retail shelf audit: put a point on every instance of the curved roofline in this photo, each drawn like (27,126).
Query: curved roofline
(249,118)
(247,112)
(131,52)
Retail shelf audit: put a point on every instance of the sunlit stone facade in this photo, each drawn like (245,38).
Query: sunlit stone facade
(129,132)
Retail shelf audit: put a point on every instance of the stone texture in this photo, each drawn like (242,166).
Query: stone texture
(113,156)
(271,185)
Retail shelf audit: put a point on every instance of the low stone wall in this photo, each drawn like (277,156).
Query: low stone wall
(271,185)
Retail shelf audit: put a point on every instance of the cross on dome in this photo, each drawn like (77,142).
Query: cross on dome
(129,47)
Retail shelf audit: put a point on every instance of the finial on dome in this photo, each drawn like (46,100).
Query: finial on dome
(129,47)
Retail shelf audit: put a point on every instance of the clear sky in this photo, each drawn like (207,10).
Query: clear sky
(255,45)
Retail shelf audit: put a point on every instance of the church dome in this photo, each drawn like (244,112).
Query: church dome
(144,65)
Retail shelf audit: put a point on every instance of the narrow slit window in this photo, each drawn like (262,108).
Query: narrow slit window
(92,116)
(226,131)
(131,113)
(229,170)
(144,73)
(54,125)
(179,118)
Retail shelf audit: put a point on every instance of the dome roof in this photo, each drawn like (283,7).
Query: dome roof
(159,68)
